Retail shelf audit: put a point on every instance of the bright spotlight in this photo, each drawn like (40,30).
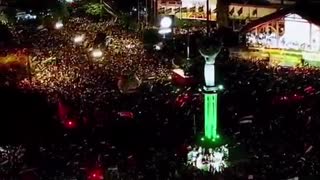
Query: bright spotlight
(220,87)
(58,25)
(69,1)
(97,53)
(78,39)
(166,22)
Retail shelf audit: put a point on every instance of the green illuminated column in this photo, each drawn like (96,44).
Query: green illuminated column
(210,113)
(210,93)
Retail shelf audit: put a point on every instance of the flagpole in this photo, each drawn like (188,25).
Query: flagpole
(155,11)
(208,26)
(139,14)
(147,13)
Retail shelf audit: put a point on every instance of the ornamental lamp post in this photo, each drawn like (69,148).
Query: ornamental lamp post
(210,94)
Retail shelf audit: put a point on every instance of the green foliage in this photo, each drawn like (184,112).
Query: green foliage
(3,18)
(95,9)
(10,13)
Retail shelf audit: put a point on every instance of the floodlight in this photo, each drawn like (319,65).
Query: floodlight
(165,31)
(97,53)
(166,22)
(58,25)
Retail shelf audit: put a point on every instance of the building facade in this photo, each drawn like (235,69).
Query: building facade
(239,14)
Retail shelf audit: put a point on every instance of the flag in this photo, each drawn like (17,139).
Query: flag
(184,9)
(161,10)
(240,11)
(193,9)
(255,12)
(168,11)
(176,10)
(246,119)
(214,11)
(200,9)
(231,11)
(126,114)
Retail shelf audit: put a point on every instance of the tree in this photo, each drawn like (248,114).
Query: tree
(3,18)
(10,13)
(95,9)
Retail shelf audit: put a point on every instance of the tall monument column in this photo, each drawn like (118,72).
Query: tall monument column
(210,94)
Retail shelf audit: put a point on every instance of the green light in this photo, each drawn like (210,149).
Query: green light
(210,116)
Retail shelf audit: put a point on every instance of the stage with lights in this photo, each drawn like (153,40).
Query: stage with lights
(290,40)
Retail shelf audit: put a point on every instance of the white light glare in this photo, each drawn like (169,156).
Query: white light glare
(220,87)
(79,38)
(58,25)
(166,22)
(165,31)
(130,46)
(69,1)
(97,53)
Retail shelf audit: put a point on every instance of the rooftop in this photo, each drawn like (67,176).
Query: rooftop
(308,12)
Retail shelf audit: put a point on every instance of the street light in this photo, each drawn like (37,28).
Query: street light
(165,22)
(97,53)
(165,26)
(58,25)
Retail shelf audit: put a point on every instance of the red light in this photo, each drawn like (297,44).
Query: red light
(70,124)
(96,175)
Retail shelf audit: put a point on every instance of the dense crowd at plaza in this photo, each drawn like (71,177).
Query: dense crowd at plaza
(268,114)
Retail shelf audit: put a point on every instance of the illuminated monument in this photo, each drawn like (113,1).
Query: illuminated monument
(210,93)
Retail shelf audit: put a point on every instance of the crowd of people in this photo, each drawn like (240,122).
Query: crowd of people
(212,160)
(269,137)
(62,66)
